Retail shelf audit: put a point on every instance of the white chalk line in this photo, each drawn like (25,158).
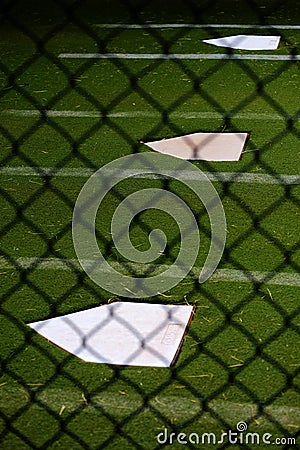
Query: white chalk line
(146,114)
(222,177)
(68,400)
(195,25)
(180,56)
(231,275)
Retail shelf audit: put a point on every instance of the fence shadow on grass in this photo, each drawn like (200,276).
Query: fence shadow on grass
(64,118)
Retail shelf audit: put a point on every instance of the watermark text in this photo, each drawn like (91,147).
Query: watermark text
(239,436)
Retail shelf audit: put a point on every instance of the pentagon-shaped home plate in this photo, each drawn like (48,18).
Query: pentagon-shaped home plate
(203,146)
(246,42)
(123,333)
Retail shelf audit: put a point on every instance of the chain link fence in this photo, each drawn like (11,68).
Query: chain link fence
(84,83)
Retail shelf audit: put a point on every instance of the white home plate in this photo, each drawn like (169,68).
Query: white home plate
(203,146)
(246,42)
(137,334)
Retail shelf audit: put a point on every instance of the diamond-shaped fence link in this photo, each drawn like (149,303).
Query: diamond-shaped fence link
(82,84)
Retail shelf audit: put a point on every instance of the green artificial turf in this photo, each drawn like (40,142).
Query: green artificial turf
(240,358)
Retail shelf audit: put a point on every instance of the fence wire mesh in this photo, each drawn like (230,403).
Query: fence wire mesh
(84,83)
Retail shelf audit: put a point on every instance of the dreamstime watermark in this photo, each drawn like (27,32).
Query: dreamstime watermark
(146,164)
(239,436)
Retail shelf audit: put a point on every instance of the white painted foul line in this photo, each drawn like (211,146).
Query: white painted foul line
(146,114)
(220,275)
(180,56)
(221,177)
(195,25)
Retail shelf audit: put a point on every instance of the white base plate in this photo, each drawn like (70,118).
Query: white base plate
(125,333)
(203,146)
(246,42)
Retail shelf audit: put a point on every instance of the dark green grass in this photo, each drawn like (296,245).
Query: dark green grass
(74,142)
(119,395)
(242,347)
(251,211)
(215,348)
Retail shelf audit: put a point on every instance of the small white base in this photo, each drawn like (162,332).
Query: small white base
(138,334)
(246,42)
(203,146)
